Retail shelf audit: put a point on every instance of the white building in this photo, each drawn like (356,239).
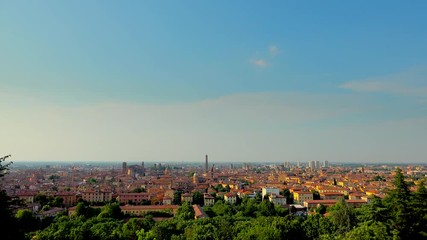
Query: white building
(97,196)
(230,198)
(277,199)
(268,191)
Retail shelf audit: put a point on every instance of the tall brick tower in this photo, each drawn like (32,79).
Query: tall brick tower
(206,164)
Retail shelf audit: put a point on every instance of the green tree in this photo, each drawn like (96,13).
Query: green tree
(397,203)
(54,178)
(266,208)
(368,231)
(4,168)
(42,199)
(198,198)
(27,221)
(139,190)
(57,202)
(224,226)
(177,197)
(260,228)
(249,207)
(418,206)
(220,208)
(378,178)
(111,211)
(258,196)
(205,231)
(375,211)
(316,195)
(289,196)
(288,227)
(130,229)
(343,217)
(218,188)
(86,211)
(321,209)
(317,225)
(163,230)
(63,228)
(8,226)
(185,212)
(104,230)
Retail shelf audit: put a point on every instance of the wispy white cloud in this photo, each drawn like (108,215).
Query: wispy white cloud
(273,50)
(259,62)
(412,82)
(269,54)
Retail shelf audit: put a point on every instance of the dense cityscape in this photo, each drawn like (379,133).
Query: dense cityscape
(159,191)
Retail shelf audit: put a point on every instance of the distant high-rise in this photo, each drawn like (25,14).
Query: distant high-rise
(311,164)
(124,168)
(206,164)
(142,171)
(317,164)
(246,167)
(326,164)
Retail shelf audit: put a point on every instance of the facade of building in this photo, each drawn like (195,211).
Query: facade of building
(26,197)
(317,203)
(187,197)
(69,198)
(230,198)
(269,190)
(331,195)
(96,196)
(277,199)
(208,199)
(134,198)
(300,197)
(139,210)
(167,200)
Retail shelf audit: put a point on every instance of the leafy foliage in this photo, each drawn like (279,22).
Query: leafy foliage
(185,212)
(9,226)
(343,217)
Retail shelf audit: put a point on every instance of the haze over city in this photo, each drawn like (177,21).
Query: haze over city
(241,81)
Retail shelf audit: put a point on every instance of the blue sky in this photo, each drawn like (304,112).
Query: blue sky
(239,80)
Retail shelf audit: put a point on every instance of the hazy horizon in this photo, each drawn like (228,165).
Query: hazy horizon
(202,162)
(242,81)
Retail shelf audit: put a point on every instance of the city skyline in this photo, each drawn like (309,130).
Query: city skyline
(240,81)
